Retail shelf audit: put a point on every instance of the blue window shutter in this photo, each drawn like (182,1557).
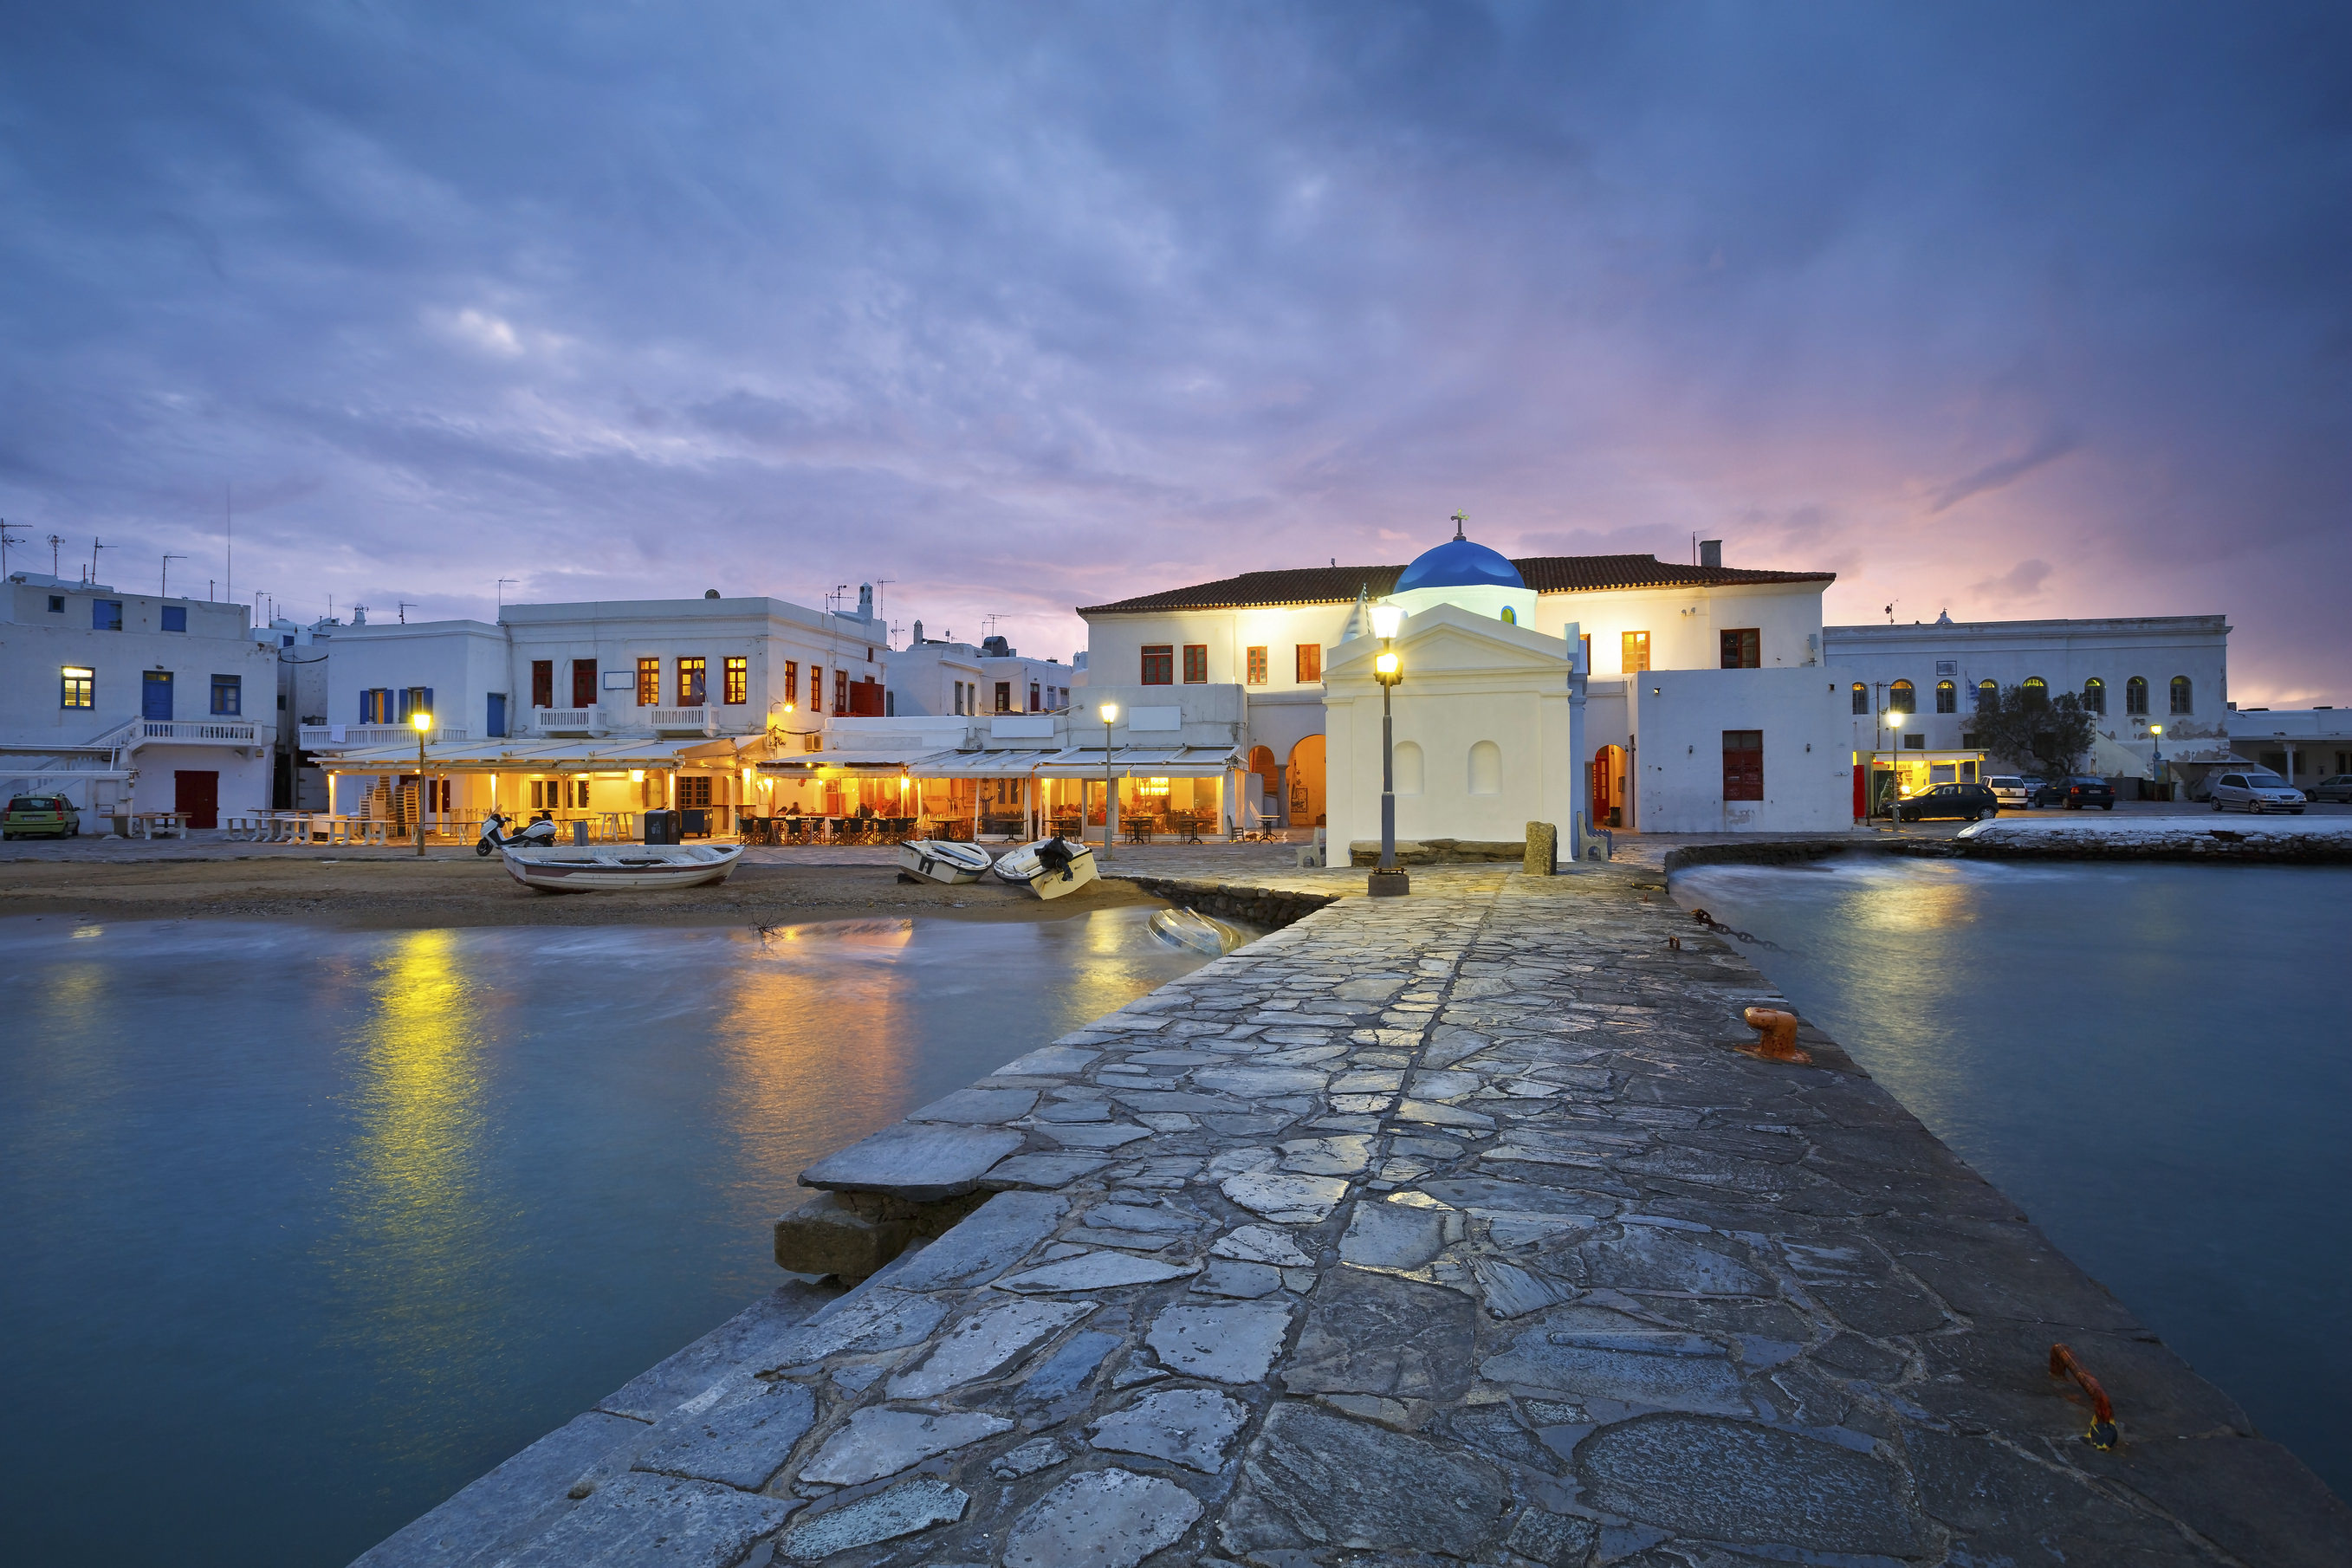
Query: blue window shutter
(175,617)
(428,699)
(497,715)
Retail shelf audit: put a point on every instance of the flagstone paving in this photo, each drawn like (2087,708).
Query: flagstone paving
(1442,1229)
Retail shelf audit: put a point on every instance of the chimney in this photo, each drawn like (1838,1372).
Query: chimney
(866,600)
(1710,553)
(919,634)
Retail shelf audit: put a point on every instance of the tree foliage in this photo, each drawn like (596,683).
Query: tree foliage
(2034,729)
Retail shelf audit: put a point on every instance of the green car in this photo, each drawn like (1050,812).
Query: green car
(39,815)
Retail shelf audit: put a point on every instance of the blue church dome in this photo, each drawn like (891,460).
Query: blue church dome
(1460,563)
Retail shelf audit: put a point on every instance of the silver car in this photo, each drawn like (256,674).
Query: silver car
(2012,791)
(2256,790)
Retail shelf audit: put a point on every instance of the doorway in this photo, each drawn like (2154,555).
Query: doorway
(1307,783)
(196,795)
(1609,786)
(155,695)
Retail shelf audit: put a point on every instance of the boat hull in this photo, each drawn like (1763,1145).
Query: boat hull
(622,868)
(1021,868)
(942,860)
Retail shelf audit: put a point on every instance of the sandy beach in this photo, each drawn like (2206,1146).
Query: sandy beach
(388,892)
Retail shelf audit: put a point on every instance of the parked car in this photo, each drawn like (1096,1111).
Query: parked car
(1968,802)
(2012,790)
(2337,789)
(40,815)
(2256,790)
(2078,791)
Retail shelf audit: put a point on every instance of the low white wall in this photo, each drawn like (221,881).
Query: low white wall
(1680,715)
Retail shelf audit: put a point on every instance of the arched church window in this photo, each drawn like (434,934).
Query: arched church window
(1485,768)
(1947,697)
(2136,695)
(1902,699)
(2036,689)
(1861,698)
(2094,696)
(1408,768)
(1988,696)
(2181,694)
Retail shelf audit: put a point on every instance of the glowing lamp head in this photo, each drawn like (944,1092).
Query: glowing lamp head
(1386,619)
(1109,712)
(2155,729)
(790,707)
(1385,664)
(636,776)
(421,721)
(1895,718)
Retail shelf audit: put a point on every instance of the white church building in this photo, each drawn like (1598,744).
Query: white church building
(1614,689)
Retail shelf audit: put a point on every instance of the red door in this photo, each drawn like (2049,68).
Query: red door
(197,795)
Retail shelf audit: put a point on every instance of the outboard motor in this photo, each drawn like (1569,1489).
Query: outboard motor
(1054,856)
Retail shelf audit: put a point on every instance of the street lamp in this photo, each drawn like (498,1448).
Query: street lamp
(423,722)
(1388,880)
(1109,712)
(2156,763)
(1895,763)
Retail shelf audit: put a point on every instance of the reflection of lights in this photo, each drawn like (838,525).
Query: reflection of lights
(83,933)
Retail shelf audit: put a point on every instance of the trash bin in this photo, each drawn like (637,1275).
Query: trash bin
(696,823)
(661,827)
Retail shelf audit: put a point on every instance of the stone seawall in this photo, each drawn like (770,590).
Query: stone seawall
(1450,1228)
(1258,904)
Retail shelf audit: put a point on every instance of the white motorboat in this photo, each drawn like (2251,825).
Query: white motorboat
(619,868)
(942,860)
(1026,866)
(1186,927)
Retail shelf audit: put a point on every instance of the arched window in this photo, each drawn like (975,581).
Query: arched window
(1861,698)
(1947,697)
(2136,695)
(1485,768)
(2094,695)
(1510,616)
(2037,690)
(1408,768)
(1988,696)
(1901,698)
(2182,695)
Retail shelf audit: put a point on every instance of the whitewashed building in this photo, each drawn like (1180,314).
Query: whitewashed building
(133,701)
(941,677)
(1750,640)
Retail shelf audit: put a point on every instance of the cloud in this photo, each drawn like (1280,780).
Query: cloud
(1024,309)
(2022,581)
(2009,470)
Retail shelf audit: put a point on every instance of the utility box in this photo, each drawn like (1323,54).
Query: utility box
(662,828)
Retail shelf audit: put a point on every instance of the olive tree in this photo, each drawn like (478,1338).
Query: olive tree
(2033,730)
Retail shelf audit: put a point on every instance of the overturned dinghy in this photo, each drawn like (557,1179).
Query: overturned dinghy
(1188,929)
(622,868)
(1049,867)
(941,860)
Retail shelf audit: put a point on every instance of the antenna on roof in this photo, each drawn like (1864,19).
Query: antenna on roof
(405,606)
(1460,522)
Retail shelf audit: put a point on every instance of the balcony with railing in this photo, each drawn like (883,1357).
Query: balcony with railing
(569,720)
(352,737)
(218,731)
(698,720)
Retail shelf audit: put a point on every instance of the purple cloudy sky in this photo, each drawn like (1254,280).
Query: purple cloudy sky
(2016,312)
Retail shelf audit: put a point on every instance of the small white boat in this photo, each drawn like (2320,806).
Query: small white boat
(1187,928)
(1026,867)
(615,867)
(942,860)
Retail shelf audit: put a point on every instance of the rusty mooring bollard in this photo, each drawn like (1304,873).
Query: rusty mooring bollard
(2102,1434)
(1776,1035)
(1675,944)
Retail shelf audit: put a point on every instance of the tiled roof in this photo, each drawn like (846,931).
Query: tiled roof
(1544,574)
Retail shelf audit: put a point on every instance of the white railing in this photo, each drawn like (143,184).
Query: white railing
(697,721)
(202,731)
(336,737)
(568,721)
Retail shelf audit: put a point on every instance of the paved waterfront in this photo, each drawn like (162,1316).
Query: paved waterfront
(1440,1229)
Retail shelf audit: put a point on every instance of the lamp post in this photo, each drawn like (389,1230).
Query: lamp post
(1388,880)
(1109,714)
(2156,763)
(423,721)
(1895,763)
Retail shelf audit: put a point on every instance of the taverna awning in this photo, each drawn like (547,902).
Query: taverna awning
(896,760)
(1071,762)
(1143,761)
(538,756)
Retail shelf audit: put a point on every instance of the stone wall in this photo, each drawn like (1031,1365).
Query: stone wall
(1261,906)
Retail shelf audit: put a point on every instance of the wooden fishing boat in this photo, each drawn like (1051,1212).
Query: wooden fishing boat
(622,868)
(942,860)
(1026,866)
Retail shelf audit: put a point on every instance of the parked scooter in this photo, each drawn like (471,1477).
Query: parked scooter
(538,834)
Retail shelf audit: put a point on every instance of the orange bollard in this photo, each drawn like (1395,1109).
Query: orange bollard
(2102,1434)
(1776,1035)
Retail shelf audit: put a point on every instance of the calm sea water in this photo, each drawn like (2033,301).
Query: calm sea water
(2151,1059)
(306,1229)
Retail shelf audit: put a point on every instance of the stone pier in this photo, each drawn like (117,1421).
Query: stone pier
(1451,1228)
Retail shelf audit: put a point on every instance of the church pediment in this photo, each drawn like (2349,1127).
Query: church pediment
(1448,640)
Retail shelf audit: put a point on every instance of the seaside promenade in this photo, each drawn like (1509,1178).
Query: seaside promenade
(1444,1229)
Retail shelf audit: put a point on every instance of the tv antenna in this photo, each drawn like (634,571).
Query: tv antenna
(165,591)
(94,548)
(503,583)
(55,539)
(405,607)
(5,543)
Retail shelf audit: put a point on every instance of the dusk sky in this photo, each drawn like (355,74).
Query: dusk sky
(2005,311)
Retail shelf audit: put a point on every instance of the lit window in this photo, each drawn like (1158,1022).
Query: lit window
(2136,695)
(1861,698)
(2037,690)
(841,691)
(81,688)
(1901,698)
(1632,653)
(1256,667)
(2094,696)
(1947,697)
(1004,697)
(1310,663)
(1988,697)
(738,682)
(648,683)
(2182,694)
(689,682)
